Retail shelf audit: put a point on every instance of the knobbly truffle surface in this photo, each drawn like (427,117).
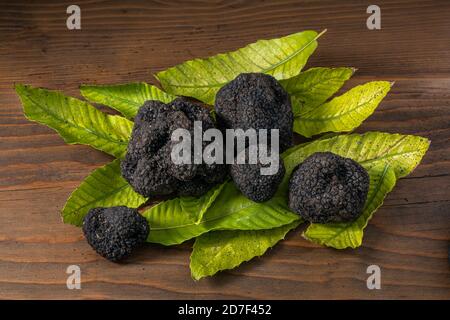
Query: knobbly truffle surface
(114,232)
(148,166)
(255,101)
(328,188)
(254,185)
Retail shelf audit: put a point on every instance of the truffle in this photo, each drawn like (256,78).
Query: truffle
(114,232)
(255,101)
(148,166)
(254,185)
(328,188)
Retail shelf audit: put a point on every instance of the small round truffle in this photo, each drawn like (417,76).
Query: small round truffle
(256,101)
(114,232)
(328,188)
(255,185)
(148,165)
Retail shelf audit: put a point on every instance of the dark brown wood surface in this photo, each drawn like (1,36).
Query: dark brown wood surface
(128,41)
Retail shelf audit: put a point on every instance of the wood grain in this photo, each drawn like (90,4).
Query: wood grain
(129,41)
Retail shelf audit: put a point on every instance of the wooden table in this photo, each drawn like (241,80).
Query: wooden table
(129,41)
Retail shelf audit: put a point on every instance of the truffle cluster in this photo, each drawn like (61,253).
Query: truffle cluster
(114,232)
(148,166)
(256,101)
(328,188)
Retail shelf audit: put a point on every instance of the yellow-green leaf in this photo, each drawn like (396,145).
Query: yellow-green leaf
(402,152)
(173,221)
(104,187)
(282,58)
(176,220)
(222,250)
(386,157)
(125,98)
(315,86)
(343,113)
(75,120)
(345,235)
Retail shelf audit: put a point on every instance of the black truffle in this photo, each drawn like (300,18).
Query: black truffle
(148,166)
(328,188)
(114,232)
(255,101)
(254,185)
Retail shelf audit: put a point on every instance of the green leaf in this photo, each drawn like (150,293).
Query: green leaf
(282,58)
(76,121)
(221,250)
(402,152)
(386,157)
(104,187)
(125,98)
(345,235)
(175,221)
(183,213)
(315,86)
(343,113)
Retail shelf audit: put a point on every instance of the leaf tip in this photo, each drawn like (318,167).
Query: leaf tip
(304,236)
(321,33)
(157,76)
(196,277)
(19,87)
(427,143)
